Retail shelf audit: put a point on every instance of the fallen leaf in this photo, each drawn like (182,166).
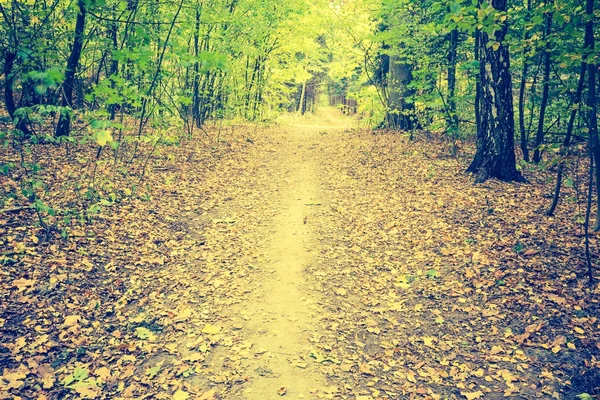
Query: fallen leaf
(210,395)
(71,320)
(472,395)
(21,284)
(181,395)
(211,329)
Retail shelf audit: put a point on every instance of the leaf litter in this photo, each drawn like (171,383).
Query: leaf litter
(425,286)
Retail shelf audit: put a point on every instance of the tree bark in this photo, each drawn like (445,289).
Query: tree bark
(64,121)
(114,67)
(539,137)
(302,104)
(453,123)
(495,157)
(592,105)
(477,159)
(522,87)
(196,80)
(400,111)
(567,140)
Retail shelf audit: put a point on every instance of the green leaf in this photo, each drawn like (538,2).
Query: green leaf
(432,274)
(152,372)
(144,333)
(103,137)
(79,374)
(320,358)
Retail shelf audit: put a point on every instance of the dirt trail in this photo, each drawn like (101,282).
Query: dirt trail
(280,317)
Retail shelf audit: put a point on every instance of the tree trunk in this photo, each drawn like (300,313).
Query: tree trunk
(592,103)
(400,111)
(302,105)
(522,87)
(539,137)
(477,160)
(453,123)
(567,140)
(196,80)
(495,157)
(64,121)
(114,67)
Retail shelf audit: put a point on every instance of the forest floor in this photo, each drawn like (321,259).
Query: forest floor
(306,260)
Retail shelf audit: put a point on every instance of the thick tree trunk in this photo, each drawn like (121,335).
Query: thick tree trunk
(400,110)
(64,121)
(495,157)
(539,137)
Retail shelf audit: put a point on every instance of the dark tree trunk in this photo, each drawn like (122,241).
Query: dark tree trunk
(495,157)
(592,105)
(453,123)
(9,101)
(114,67)
(539,137)
(477,160)
(568,136)
(64,121)
(524,138)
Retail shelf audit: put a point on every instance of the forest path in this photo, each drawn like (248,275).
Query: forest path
(308,260)
(279,316)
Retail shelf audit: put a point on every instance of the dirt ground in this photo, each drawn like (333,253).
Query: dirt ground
(307,260)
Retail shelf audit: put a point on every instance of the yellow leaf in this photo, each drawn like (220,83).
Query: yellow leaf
(429,341)
(579,330)
(473,395)
(23,283)
(194,357)
(71,320)
(211,329)
(103,373)
(87,392)
(183,315)
(48,381)
(181,395)
(210,395)
(478,373)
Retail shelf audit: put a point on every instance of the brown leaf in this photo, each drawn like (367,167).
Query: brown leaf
(22,283)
